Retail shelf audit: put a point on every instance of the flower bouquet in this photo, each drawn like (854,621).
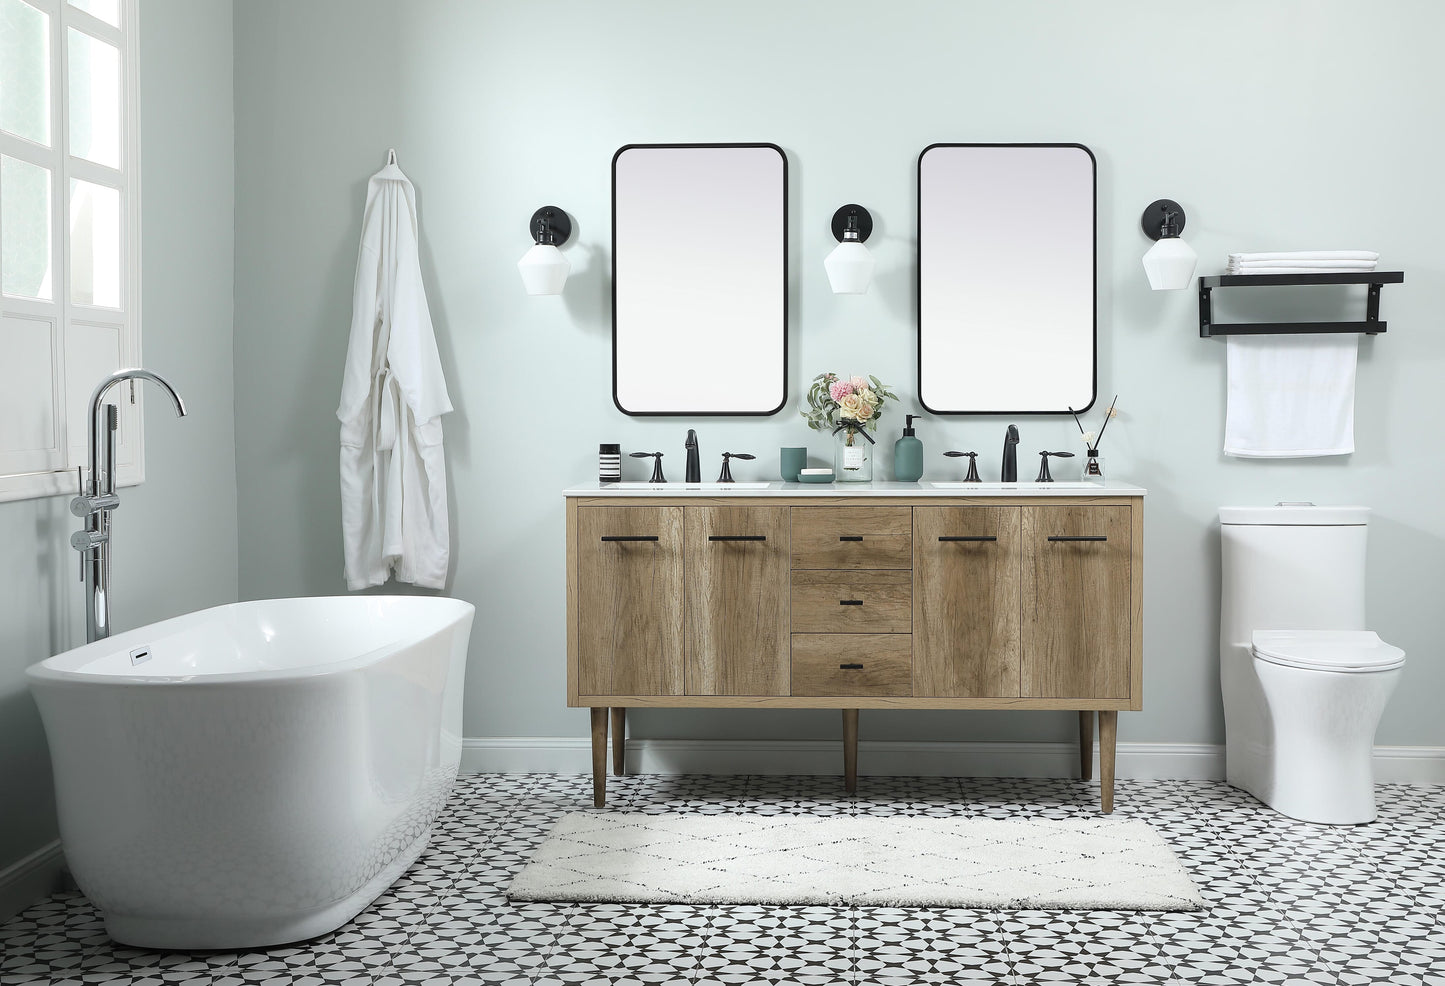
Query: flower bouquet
(850,410)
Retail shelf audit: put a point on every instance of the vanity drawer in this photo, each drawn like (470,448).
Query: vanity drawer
(852,602)
(870,664)
(852,537)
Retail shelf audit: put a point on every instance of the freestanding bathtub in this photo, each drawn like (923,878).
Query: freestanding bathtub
(256,773)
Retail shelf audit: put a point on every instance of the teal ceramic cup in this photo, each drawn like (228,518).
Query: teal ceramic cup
(792,461)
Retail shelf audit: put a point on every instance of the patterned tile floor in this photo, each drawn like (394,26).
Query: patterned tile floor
(1289,902)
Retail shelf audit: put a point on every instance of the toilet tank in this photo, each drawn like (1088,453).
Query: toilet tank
(1291,567)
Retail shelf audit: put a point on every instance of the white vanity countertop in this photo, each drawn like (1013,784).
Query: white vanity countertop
(940,488)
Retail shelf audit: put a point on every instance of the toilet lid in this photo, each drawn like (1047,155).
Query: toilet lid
(1327,650)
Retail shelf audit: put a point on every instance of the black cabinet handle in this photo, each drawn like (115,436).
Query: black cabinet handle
(850,667)
(851,537)
(629,537)
(1078,537)
(737,537)
(970,537)
(850,602)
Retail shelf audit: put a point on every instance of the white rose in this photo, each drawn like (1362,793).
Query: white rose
(853,406)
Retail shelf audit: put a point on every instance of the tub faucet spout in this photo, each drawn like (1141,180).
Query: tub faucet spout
(97,497)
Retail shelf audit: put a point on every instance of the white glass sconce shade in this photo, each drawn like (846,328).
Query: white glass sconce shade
(1170,261)
(1170,264)
(544,269)
(850,265)
(850,268)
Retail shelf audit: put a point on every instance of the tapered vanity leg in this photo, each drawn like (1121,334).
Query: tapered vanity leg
(1086,744)
(1108,728)
(599,757)
(850,750)
(619,741)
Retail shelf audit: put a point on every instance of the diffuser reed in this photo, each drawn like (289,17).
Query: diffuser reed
(1093,467)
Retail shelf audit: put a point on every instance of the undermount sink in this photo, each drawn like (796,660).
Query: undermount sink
(1012,487)
(710,487)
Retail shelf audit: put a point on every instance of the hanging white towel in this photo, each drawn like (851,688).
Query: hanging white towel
(1291,395)
(393,394)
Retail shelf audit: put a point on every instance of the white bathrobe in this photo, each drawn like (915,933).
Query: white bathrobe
(393,394)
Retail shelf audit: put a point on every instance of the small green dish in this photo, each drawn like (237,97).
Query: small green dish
(815,477)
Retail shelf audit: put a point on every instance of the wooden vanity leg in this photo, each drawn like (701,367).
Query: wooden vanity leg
(1108,728)
(850,750)
(1086,744)
(619,741)
(599,757)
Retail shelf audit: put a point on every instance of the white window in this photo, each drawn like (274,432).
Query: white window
(69,235)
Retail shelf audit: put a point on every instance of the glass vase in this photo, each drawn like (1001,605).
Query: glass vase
(852,457)
(1093,468)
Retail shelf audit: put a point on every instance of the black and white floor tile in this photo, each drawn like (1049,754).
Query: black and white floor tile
(1289,903)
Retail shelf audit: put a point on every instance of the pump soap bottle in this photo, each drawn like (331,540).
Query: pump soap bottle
(908,455)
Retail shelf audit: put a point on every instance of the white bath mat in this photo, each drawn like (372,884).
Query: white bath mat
(1094,864)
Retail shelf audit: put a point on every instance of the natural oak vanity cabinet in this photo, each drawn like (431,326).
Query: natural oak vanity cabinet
(966,602)
(736,564)
(629,566)
(896,596)
(1076,576)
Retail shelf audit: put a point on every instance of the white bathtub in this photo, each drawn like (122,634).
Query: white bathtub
(264,773)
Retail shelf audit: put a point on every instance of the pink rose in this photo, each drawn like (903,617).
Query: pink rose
(840,390)
(859,384)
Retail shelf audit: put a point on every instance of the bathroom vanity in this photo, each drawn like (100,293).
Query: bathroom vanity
(879,596)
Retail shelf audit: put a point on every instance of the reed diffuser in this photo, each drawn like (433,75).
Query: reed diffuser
(1093,462)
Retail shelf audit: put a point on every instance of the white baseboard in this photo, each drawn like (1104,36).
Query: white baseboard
(30,878)
(1151,761)
(1410,764)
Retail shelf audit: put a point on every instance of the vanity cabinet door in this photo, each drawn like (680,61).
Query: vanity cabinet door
(966,602)
(630,600)
(1076,601)
(737,600)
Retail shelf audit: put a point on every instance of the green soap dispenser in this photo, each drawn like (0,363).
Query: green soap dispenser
(908,454)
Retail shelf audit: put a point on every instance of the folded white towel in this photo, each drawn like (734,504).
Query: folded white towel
(1369,255)
(1291,395)
(1297,270)
(1268,264)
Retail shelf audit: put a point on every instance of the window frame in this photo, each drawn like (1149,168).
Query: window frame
(71,395)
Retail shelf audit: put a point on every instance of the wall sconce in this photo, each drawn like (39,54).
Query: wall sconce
(1170,261)
(544,270)
(850,265)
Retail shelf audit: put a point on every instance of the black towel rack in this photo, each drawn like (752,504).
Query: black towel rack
(1370,326)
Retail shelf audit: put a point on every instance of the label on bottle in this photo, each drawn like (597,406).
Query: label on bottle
(852,457)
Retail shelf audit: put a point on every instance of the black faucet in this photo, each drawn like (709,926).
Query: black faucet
(726,476)
(972,476)
(1044,476)
(1010,471)
(656,457)
(694,467)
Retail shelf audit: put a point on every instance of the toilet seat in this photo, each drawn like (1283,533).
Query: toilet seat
(1353,651)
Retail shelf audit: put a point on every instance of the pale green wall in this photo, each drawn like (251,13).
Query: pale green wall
(1278,126)
(175,535)
(1287,125)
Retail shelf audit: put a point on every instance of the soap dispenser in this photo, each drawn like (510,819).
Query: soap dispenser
(908,454)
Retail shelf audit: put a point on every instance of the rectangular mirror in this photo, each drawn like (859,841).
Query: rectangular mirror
(1006,272)
(700,279)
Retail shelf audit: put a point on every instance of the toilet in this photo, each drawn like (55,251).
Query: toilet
(1304,681)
